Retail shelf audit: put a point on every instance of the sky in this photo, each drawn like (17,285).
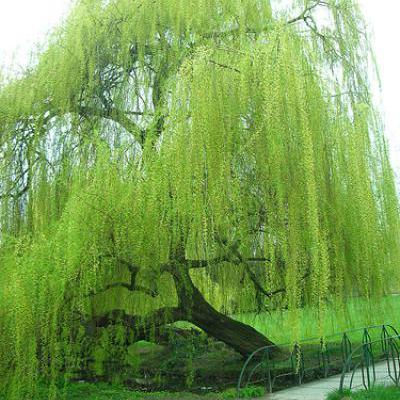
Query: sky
(24,24)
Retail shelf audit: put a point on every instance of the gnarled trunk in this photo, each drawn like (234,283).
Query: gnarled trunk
(241,337)
(194,308)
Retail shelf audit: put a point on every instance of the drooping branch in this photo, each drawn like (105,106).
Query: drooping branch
(117,116)
(196,264)
(233,257)
(224,66)
(144,327)
(132,286)
(16,195)
(306,12)
(238,259)
(229,32)
(128,286)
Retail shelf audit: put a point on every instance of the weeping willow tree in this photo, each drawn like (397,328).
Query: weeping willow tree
(175,160)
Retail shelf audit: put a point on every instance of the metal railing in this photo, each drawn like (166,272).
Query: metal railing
(278,367)
(364,359)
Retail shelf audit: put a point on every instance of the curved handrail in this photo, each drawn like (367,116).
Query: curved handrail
(368,359)
(346,349)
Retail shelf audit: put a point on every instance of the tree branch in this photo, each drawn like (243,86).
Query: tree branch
(117,116)
(124,285)
(306,11)
(232,31)
(224,66)
(132,286)
(144,327)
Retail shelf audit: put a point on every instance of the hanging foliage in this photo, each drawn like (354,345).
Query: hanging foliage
(177,160)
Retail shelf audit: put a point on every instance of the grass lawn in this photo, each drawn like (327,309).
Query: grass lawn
(378,393)
(356,313)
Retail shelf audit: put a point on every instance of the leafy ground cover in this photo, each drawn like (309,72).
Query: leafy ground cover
(378,393)
(102,391)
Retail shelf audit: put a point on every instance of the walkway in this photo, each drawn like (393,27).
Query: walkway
(319,390)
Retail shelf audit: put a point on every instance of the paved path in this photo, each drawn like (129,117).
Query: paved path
(318,390)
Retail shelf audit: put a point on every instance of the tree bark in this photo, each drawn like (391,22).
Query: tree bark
(239,336)
(192,307)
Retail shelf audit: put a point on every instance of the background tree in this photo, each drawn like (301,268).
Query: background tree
(177,160)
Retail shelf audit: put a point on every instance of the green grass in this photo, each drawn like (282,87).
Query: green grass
(356,313)
(378,393)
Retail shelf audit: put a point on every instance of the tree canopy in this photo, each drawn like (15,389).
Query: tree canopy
(176,160)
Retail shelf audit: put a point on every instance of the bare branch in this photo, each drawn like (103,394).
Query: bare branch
(303,16)
(117,116)
(130,287)
(225,66)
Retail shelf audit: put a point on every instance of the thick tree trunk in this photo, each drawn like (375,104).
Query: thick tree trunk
(192,307)
(241,337)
